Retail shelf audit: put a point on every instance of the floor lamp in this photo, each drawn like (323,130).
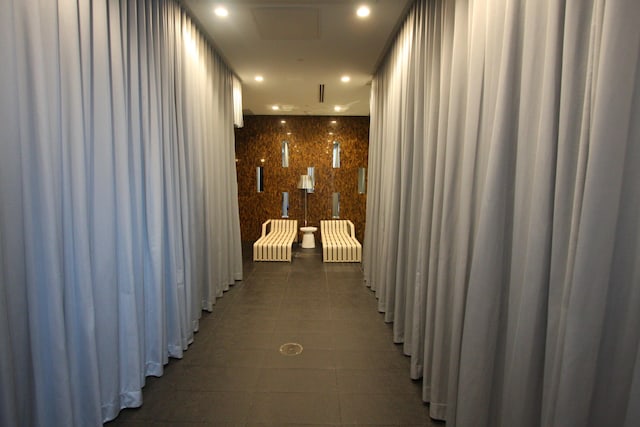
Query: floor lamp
(305,183)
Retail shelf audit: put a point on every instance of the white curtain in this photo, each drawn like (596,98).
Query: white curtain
(503,214)
(118,202)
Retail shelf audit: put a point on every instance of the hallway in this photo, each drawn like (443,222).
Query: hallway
(349,372)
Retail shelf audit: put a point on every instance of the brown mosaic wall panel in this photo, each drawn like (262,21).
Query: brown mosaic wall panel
(259,143)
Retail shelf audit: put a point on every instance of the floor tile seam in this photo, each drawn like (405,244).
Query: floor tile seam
(341,313)
(317,368)
(342,293)
(398,374)
(351,288)
(411,395)
(218,390)
(247,347)
(362,335)
(334,345)
(301,299)
(259,305)
(232,328)
(293,393)
(279,299)
(395,393)
(249,276)
(354,295)
(220,368)
(302,283)
(338,397)
(329,391)
(338,392)
(297,368)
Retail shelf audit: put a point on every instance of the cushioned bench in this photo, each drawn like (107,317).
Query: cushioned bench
(275,245)
(339,243)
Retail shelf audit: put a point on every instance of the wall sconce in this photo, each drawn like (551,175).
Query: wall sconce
(285,154)
(305,183)
(260,178)
(362,180)
(335,206)
(335,160)
(285,204)
(311,171)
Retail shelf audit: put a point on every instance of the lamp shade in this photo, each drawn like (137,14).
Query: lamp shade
(305,182)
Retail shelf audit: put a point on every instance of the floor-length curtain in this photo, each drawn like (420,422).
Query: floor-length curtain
(118,202)
(503,226)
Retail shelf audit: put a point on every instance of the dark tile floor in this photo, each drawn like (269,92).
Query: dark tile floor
(349,372)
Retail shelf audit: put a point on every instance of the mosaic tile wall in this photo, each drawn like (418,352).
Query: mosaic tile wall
(310,138)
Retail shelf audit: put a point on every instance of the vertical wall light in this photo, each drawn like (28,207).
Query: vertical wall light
(285,204)
(311,171)
(362,180)
(285,154)
(260,178)
(335,160)
(335,205)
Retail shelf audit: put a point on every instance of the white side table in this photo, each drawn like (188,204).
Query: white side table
(308,239)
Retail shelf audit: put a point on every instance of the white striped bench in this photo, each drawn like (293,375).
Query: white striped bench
(339,243)
(276,244)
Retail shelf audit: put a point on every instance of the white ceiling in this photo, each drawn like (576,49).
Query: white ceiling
(298,45)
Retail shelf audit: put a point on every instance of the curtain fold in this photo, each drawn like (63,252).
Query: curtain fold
(504,160)
(119,218)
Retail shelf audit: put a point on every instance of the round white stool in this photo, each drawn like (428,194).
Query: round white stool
(308,239)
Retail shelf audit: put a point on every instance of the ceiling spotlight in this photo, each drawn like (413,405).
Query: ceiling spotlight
(363,11)
(221,11)
(337,108)
(275,108)
(259,78)
(345,79)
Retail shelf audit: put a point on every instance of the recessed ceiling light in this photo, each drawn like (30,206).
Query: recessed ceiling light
(363,11)
(275,108)
(221,11)
(259,78)
(337,108)
(345,79)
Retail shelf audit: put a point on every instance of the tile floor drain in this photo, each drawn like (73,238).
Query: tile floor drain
(291,349)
